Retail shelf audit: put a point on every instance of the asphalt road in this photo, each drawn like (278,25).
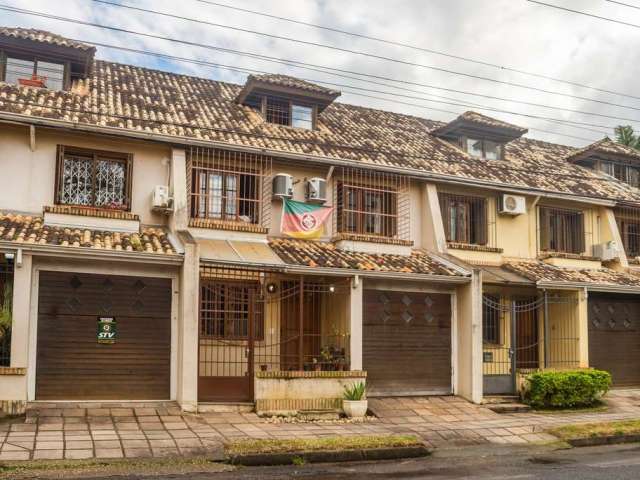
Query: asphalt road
(598,463)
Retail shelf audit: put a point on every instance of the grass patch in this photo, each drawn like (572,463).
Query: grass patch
(244,447)
(592,430)
(66,469)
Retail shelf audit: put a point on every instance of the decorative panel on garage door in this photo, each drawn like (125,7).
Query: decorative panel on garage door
(614,336)
(130,361)
(407,342)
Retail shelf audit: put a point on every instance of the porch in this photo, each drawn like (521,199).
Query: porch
(528,329)
(278,340)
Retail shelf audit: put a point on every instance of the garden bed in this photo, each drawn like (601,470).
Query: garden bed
(604,433)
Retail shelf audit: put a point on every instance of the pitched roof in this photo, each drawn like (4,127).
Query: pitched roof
(321,254)
(135,98)
(476,119)
(544,273)
(293,82)
(605,147)
(26,229)
(42,36)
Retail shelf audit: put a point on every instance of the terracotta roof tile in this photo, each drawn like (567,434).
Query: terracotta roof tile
(322,254)
(31,230)
(606,146)
(42,36)
(480,119)
(184,106)
(543,272)
(288,81)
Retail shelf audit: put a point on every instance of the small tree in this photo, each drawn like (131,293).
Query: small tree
(626,136)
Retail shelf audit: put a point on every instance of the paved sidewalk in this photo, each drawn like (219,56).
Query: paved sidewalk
(116,430)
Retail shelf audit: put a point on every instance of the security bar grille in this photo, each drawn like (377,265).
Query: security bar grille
(562,230)
(628,220)
(467,219)
(6,300)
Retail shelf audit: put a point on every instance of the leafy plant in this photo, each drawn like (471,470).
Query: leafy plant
(355,392)
(626,136)
(5,308)
(566,389)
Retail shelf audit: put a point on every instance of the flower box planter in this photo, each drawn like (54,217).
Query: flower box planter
(355,408)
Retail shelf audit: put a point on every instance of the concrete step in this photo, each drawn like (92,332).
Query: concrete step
(509,408)
(500,399)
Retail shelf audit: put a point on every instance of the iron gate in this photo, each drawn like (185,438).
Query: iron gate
(524,333)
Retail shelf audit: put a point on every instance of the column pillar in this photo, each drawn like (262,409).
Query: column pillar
(178,187)
(468,340)
(355,323)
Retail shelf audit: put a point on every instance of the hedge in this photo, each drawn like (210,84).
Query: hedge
(566,389)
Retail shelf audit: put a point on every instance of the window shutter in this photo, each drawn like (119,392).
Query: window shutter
(479,224)
(545,229)
(579,233)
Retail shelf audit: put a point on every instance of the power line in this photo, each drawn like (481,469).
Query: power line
(418,48)
(246,71)
(512,168)
(623,4)
(341,49)
(255,55)
(592,15)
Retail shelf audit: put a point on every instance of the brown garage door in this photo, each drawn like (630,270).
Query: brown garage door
(71,364)
(407,343)
(614,336)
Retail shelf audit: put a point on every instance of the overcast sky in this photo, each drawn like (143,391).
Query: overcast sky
(512,33)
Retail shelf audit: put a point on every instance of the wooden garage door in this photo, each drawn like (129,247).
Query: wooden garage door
(72,365)
(614,336)
(407,343)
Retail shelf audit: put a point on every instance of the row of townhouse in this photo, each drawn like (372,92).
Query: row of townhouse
(141,253)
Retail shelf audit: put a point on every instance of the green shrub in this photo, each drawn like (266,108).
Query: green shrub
(355,391)
(566,389)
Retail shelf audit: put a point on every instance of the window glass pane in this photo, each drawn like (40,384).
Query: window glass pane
(231,196)
(77,180)
(607,167)
(215,195)
(110,184)
(633,176)
(474,147)
(17,68)
(491,150)
(302,117)
(53,73)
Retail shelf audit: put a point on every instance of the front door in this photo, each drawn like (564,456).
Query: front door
(527,345)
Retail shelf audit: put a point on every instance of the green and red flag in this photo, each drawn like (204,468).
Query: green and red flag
(303,220)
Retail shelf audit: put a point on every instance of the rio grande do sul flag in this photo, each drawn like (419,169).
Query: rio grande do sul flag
(303,220)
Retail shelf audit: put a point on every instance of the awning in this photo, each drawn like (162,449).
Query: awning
(501,276)
(237,251)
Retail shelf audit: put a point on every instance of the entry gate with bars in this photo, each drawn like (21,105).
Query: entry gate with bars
(254,320)
(526,333)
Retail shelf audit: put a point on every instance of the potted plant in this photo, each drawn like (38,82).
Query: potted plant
(355,402)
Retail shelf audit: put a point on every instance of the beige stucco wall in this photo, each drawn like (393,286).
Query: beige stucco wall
(32,173)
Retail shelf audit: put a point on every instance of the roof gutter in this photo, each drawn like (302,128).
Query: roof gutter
(93,253)
(340,272)
(590,287)
(21,119)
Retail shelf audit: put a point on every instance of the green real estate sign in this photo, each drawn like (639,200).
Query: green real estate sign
(107,332)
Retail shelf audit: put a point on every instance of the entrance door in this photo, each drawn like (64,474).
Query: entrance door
(614,336)
(290,310)
(406,347)
(527,343)
(73,363)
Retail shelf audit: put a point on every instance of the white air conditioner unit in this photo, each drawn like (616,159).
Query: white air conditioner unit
(606,251)
(161,198)
(316,190)
(512,204)
(282,185)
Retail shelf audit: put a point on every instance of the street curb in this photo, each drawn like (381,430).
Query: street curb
(608,440)
(328,456)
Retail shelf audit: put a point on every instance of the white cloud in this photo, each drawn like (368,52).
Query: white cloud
(516,34)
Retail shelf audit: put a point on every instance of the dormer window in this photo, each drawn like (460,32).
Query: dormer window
(614,159)
(36,58)
(481,148)
(287,101)
(34,72)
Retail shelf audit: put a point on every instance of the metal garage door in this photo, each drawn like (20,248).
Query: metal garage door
(407,342)
(614,336)
(73,360)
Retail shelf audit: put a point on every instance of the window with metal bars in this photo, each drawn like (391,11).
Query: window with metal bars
(6,300)
(227,185)
(464,218)
(31,71)
(625,173)
(628,220)
(367,210)
(93,178)
(227,309)
(283,111)
(562,230)
(491,320)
